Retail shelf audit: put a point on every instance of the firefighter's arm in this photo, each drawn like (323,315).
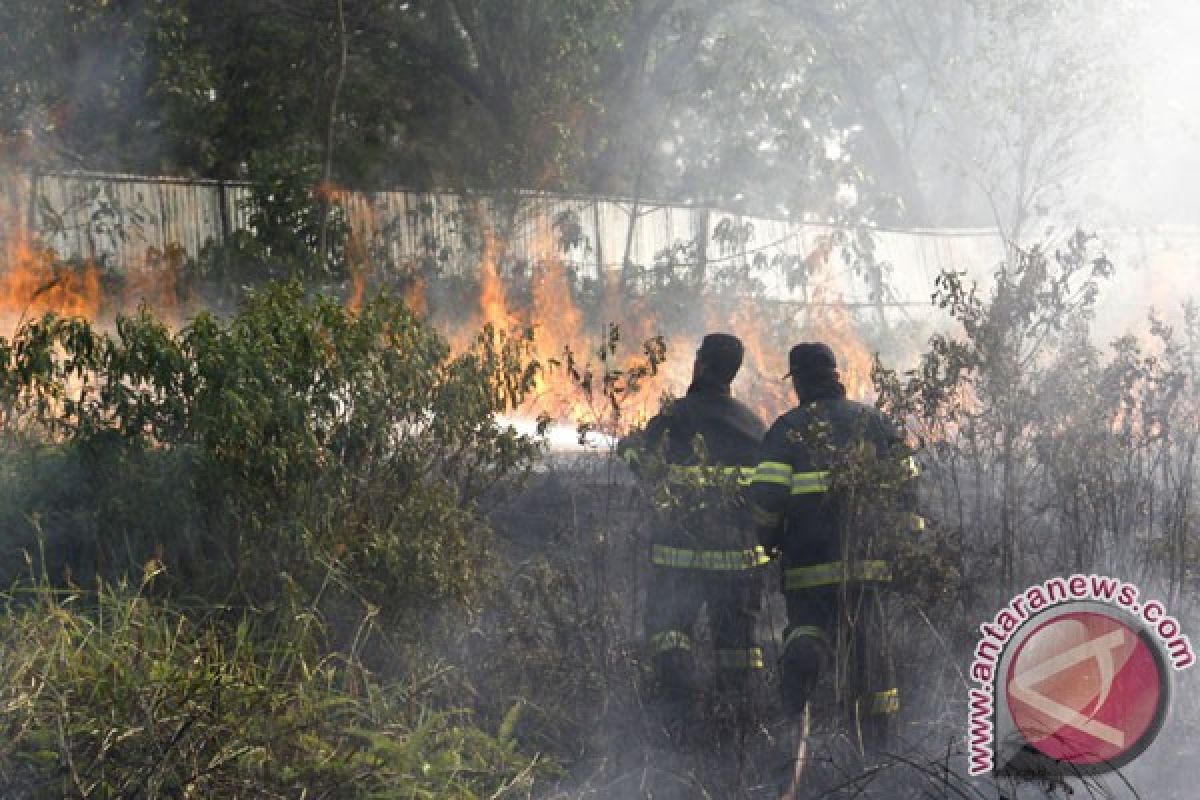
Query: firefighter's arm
(907,473)
(771,486)
(909,492)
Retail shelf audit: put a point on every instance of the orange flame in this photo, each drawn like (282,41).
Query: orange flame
(156,281)
(358,289)
(33,282)
(831,322)
(493,300)
(330,192)
(414,296)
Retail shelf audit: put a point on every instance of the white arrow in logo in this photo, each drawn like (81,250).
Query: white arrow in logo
(1101,650)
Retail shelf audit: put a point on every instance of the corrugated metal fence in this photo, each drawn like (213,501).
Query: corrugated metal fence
(115,219)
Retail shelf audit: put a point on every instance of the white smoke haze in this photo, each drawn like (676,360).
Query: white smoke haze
(982,130)
(1149,174)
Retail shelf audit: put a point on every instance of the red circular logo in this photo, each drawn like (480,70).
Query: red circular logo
(1086,688)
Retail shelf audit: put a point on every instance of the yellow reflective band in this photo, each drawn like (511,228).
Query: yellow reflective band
(916,523)
(810,482)
(773,472)
(682,558)
(708,474)
(670,640)
(908,466)
(833,573)
(747,658)
(768,519)
(804,632)
(885,702)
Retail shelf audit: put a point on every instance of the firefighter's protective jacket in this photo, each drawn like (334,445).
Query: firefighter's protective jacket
(829,471)
(694,452)
(694,459)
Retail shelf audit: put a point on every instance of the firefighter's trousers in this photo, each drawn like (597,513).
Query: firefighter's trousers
(841,627)
(676,595)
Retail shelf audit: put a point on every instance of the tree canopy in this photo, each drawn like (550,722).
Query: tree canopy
(913,112)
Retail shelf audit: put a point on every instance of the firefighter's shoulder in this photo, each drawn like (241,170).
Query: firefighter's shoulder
(784,432)
(877,425)
(673,407)
(651,433)
(789,424)
(746,418)
(671,411)
(855,417)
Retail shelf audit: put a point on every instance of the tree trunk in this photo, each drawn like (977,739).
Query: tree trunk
(701,268)
(324,193)
(888,151)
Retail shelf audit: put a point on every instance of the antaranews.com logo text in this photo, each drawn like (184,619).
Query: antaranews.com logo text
(1072,678)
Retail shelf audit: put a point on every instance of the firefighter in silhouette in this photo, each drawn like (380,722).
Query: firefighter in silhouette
(833,484)
(693,459)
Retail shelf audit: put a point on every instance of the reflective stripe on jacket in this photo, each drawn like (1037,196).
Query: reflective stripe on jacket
(799,507)
(708,443)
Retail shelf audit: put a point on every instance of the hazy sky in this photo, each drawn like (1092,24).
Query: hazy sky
(1155,167)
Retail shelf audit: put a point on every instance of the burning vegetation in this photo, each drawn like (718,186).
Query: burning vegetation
(279,511)
(573,322)
(341,457)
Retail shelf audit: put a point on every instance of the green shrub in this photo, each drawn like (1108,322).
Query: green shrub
(294,442)
(114,694)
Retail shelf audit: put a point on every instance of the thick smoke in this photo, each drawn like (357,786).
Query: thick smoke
(781,173)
